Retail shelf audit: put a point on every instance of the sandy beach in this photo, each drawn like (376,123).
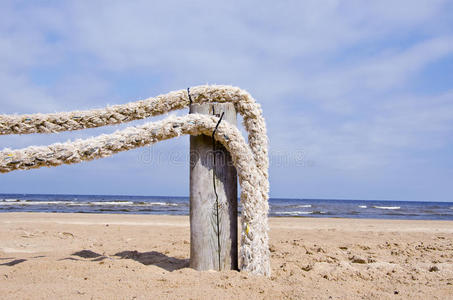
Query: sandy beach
(88,256)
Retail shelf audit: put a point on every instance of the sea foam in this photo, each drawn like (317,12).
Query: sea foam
(387,207)
(295,213)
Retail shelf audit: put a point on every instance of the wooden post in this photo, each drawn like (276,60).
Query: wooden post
(213,223)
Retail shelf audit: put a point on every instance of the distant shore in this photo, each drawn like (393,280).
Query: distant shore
(54,255)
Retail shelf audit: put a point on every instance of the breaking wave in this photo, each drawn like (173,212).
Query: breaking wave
(387,207)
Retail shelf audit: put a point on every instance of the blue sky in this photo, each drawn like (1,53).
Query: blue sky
(357,95)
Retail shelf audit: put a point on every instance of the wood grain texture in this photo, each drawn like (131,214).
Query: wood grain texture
(205,232)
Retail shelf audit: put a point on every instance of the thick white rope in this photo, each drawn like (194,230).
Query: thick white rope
(253,174)
(76,120)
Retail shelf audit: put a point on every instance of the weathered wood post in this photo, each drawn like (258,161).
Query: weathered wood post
(213,218)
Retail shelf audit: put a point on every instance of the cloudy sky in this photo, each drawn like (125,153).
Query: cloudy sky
(357,95)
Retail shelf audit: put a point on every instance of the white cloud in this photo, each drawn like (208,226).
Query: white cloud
(377,74)
(403,125)
(19,95)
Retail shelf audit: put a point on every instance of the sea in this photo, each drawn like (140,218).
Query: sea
(164,205)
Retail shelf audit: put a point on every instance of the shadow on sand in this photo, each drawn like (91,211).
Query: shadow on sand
(147,258)
(155,258)
(13,263)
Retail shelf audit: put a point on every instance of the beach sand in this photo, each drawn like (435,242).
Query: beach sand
(88,256)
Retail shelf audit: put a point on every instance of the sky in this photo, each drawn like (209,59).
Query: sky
(357,95)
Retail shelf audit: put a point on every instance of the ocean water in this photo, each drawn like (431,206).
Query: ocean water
(319,208)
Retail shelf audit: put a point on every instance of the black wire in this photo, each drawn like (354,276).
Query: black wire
(190,98)
(217,126)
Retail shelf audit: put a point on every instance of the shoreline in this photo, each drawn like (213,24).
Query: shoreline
(120,256)
(273,219)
